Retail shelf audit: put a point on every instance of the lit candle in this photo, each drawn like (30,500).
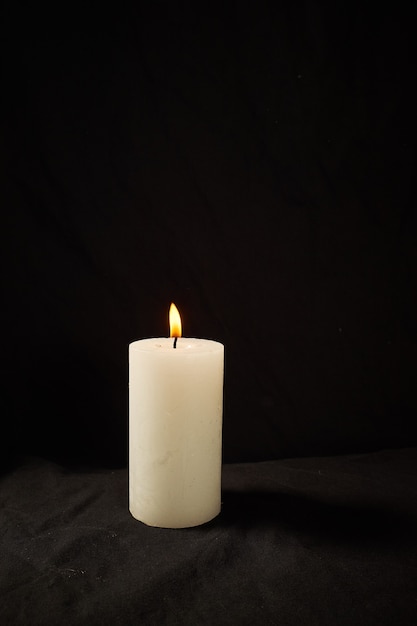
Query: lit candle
(175,428)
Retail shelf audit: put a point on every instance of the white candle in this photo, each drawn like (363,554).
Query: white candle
(175,430)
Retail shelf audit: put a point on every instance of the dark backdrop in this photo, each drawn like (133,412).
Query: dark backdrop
(255,166)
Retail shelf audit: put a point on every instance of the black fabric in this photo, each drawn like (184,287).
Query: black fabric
(311,541)
(255,166)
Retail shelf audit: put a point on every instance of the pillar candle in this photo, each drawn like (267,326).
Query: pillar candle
(175,430)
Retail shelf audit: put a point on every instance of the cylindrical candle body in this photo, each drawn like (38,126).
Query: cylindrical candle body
(175,431)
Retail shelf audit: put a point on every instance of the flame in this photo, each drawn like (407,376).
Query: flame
(175,329)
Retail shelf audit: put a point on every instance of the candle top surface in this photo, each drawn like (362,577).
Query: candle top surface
(183,344)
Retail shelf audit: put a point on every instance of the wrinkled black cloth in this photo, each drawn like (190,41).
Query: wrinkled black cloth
(254,165)
(327,540)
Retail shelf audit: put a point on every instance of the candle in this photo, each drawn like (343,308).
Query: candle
(175,428)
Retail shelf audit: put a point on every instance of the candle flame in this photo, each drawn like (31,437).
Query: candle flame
(175,329)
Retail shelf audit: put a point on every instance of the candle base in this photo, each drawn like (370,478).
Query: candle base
(174,523)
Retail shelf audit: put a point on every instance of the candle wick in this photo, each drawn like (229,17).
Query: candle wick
(175,342)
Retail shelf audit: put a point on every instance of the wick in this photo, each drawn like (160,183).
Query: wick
(175,342)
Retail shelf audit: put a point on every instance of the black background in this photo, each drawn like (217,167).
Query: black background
(253,165)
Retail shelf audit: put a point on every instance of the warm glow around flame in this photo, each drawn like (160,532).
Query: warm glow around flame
(175,329)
